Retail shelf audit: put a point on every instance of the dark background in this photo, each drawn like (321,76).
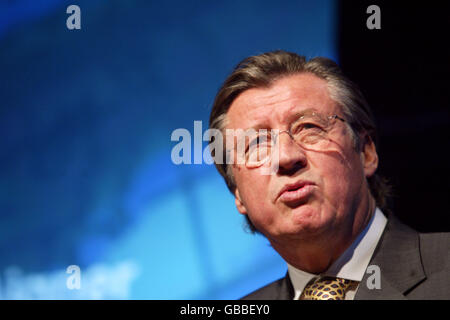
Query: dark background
(403,70)
(86,118)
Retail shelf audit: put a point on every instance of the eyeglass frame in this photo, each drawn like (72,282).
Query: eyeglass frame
(329,117)
(333,116)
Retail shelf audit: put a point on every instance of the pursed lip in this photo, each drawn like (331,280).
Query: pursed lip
(294,186)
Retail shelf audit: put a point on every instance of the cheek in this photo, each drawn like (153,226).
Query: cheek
(339,173)
(253,187)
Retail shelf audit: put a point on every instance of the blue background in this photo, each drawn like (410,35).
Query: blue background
(86,118)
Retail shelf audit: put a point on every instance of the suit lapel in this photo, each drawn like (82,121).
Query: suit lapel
(286,291)
(398,257)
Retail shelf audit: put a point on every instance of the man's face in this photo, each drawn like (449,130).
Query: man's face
(325,188)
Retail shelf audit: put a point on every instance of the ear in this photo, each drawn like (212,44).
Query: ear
(239,203)
(369,156)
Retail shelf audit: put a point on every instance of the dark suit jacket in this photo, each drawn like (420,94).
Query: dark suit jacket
(412,265)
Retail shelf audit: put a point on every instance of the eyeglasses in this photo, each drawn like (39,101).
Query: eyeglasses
(312,131)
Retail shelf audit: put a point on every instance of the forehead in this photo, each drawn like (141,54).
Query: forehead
(273,106)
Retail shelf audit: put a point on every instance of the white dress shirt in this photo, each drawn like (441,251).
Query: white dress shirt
(352,264)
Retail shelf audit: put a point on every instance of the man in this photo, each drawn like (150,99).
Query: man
(321,204)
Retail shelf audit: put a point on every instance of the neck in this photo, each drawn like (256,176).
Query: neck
(318,254)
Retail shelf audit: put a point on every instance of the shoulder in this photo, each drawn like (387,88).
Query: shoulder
(433,248)
(413,264)
(436,240)
(435,254)
(435,251)
(280,289)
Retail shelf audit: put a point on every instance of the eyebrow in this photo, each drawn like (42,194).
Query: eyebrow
(302,113)
(290,118)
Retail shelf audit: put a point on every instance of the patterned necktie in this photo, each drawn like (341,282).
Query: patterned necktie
(327,288)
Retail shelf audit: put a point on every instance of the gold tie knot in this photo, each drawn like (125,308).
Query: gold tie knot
(326,288)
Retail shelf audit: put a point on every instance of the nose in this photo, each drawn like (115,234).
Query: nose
(291,156)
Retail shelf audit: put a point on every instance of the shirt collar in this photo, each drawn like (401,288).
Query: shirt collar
(353,263)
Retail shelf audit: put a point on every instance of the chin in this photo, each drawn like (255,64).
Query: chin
(307,220)
(304,214)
